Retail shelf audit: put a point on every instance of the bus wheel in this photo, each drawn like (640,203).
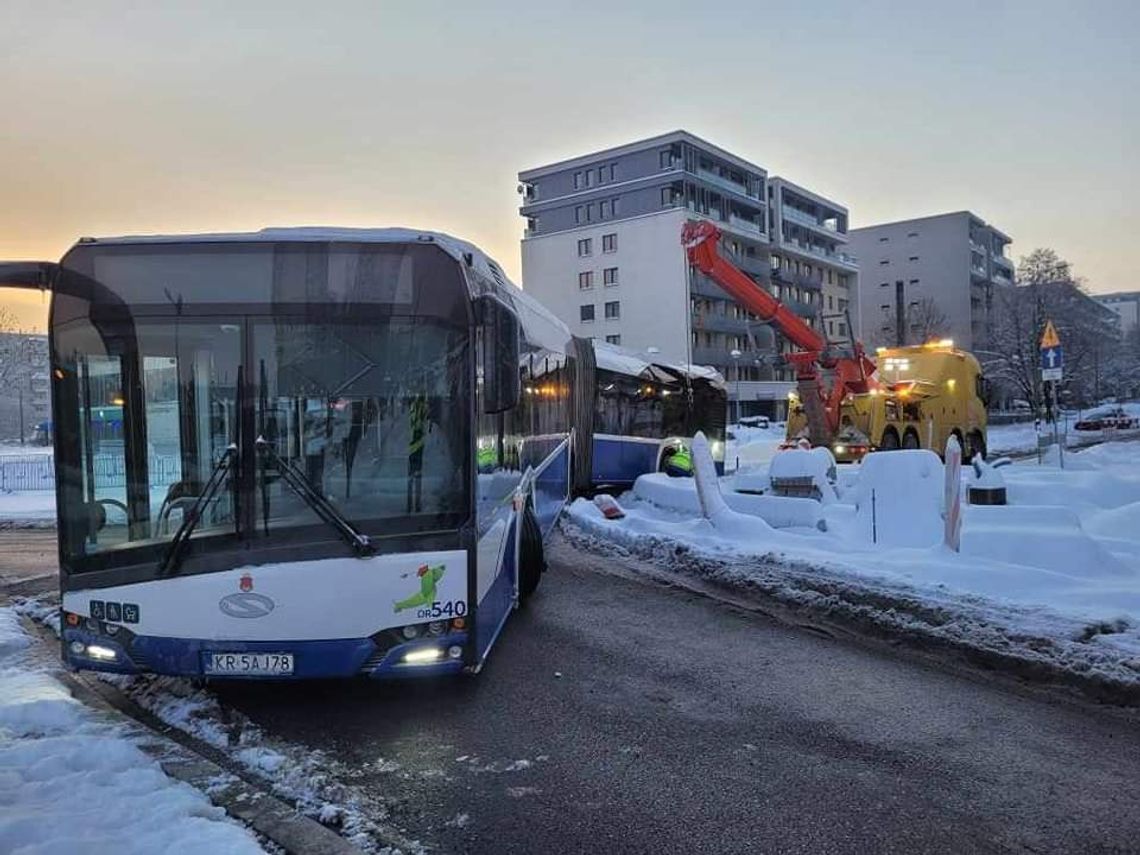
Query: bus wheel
(532,558)
(910,440)
(890,440)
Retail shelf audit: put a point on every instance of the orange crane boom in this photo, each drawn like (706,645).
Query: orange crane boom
(853,374)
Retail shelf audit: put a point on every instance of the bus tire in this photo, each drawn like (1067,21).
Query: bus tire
(911,440)
(532,556)
(890,440)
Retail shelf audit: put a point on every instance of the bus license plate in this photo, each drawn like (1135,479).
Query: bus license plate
(252,664)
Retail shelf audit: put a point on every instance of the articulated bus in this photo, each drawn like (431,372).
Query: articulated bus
(339,451)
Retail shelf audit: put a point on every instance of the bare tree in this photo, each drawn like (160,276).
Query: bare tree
(18,359)
(925,320)
(1089,337)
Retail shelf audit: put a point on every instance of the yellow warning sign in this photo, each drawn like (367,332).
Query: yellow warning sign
(1049,338)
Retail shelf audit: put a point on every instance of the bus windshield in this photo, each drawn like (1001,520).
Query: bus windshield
(256,424)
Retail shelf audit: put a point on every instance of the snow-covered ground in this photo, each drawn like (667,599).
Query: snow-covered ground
(73,780)
(28,507)
(1060,562)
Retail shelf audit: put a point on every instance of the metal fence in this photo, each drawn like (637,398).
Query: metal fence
(37,472)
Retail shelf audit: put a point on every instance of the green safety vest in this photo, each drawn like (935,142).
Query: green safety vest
(418,413)
(681,460)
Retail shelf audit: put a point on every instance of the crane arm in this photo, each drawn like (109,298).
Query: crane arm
(700,239)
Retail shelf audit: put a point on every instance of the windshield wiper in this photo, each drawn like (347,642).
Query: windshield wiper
(173,559)
(323,508)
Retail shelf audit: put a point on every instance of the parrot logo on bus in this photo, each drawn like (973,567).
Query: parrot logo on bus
(429,578)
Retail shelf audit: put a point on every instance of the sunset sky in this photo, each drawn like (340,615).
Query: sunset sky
(143,117)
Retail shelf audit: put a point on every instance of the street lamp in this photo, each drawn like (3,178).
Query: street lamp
(736,354)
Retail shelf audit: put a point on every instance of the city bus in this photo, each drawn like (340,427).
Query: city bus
(339,451)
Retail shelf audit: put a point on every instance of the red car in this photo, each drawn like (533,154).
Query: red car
(1106,418)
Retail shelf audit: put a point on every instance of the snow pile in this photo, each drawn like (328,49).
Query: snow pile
(816,464)
(898,500)
(680,494)
(71,781)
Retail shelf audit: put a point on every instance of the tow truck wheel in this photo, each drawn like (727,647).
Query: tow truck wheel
(890,440)
(532,557)
(975,444)
(910,440)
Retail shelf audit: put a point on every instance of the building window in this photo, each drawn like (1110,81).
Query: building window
(613,339)
(913,282)
(613,172)
(665,158)
(884,261)
(601,174)
(884,284)
(609,276)
(589,176)
(609,243)
(666,197)
(590,213)
(578,212)
(585,247)
(912,234)
(883,240)
(913,258)
(830,303)
(604,210)
(586,279)
(613,310)
(831,328)
(586,313)
(614,206)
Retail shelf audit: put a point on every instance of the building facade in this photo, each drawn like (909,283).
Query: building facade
(25,387)
(931,277)
(602,249)
(1125,305)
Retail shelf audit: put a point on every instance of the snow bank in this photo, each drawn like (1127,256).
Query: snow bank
(72,781)
(898,498)
(30,506)
(680,494)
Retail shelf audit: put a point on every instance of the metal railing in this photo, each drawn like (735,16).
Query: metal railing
(37,472)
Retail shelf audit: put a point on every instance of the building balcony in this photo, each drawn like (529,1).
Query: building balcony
(725,183)
(747,225)
(842,259)
(827,227)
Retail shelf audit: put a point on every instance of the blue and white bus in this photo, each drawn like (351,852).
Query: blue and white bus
(339,451)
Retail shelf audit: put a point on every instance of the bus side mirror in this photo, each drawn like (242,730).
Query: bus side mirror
(500,357)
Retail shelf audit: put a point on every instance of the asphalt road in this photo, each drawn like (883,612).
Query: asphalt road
(650,720)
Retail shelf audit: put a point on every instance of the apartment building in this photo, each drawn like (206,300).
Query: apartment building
(1125,305)
(930,277)
(602,250)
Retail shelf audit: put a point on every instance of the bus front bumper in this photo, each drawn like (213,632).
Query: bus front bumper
(124,653)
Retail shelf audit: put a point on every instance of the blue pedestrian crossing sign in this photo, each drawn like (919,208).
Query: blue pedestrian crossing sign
(1052,355)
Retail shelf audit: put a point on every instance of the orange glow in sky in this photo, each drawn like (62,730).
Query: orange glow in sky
(124,118)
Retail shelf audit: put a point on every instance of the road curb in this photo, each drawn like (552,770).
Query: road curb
(870,616)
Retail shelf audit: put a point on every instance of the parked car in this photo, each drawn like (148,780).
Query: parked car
(755,422)
(1107,418)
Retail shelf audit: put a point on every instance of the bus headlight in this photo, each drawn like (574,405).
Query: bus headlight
(422,655)
(105,654)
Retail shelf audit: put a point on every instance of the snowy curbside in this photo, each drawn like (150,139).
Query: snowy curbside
(284,792)
(964,627)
